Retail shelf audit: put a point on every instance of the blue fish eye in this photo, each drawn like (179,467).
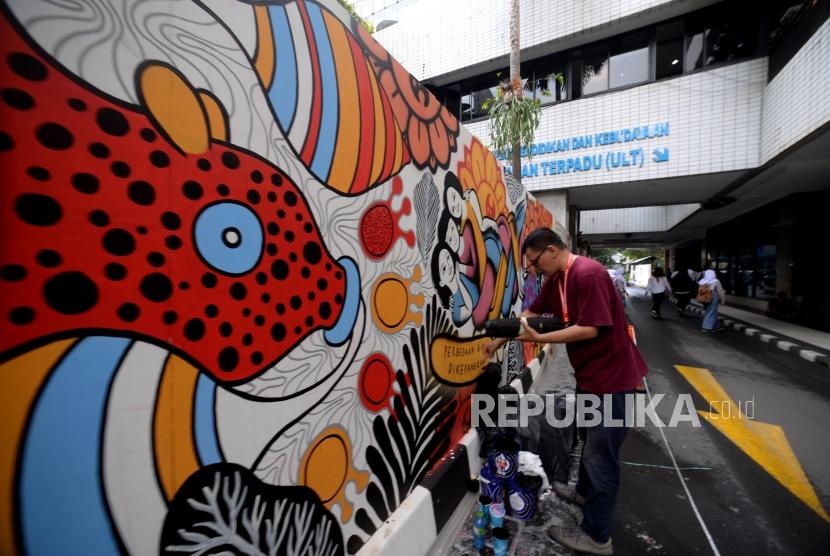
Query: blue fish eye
(229,237)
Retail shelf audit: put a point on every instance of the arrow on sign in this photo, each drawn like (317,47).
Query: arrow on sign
(661,155)
(766,444)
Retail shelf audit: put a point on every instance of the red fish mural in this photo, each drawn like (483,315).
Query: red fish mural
(115,229)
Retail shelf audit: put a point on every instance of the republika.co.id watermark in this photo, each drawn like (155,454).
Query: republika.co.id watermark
(588,410)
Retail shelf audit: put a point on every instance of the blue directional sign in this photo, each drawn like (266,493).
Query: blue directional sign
(624,154)
(661,155)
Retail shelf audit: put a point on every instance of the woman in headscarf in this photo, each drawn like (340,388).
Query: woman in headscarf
(710,318)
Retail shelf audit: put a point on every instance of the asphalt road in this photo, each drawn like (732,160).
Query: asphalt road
(732,504)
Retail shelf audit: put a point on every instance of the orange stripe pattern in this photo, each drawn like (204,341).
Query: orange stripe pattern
(20,381)
(175,448)
(349,139)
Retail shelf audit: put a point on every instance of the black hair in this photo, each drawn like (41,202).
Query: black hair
(658,272)
(444,224)
(540,238)
(451,182)
(444,293)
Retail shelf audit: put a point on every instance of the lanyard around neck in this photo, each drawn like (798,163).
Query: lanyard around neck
(563,292)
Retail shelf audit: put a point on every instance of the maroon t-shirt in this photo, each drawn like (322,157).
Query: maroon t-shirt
(610,362)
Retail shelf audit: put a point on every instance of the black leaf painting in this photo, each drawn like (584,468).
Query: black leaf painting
(416,434)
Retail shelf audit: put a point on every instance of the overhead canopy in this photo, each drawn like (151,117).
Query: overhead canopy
(641,261)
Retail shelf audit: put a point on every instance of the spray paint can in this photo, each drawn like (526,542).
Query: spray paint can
(479,532)
(501,541)
(497,515)
(483,509)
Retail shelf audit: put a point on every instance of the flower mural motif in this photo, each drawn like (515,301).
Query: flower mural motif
(428,126)
(537,217)
(480,172)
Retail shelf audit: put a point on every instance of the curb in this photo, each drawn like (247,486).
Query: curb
(413,528)
(780,341)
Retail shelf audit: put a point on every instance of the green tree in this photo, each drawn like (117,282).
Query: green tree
(514,118)
(610,256)
(350,8)
(605,256)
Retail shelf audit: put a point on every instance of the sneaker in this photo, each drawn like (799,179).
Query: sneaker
(568,492)
(719,329)
(579,541)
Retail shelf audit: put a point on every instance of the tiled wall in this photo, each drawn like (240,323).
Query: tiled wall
(638,219)
(618,221)
(797,101)
(714,122)
(676,213)
(461,33)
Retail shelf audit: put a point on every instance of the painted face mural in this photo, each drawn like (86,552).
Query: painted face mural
(487,250)
(231,232)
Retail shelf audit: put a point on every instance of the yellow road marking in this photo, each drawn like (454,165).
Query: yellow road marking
(766,444)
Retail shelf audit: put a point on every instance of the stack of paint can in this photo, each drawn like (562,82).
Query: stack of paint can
(500,541)
(501,481)
(490,514)
(481,520)
(501,466)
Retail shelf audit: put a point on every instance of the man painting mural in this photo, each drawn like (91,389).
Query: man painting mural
(605,361)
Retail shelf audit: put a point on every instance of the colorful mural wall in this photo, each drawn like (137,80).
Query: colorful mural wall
(244,260)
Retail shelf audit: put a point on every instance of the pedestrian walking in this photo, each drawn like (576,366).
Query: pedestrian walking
(658,286)
(619,283)
(710,293)
(580,292)
(683,286)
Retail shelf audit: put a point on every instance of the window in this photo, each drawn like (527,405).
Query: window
(669,54)
(793,22)
(546,88)
(466,107)
(766,259)
(730,38)
(694,43)
(590,74)
(479,98)
(452,100)
(721,34)
(628,63)
(472,103)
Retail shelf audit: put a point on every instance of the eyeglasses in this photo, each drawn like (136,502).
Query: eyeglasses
(535,260)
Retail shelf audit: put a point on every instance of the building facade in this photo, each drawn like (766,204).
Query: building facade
(664,123)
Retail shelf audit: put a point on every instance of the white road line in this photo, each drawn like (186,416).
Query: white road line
(683,482)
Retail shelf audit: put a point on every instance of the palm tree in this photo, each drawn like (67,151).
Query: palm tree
(515,78)
(513,118)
